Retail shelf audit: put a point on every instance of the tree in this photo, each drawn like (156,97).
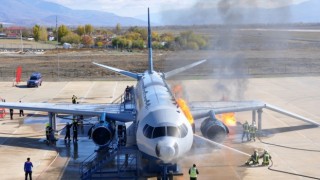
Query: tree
(99,44)
(117,30)
(88,29)
(155,36)
(71,38)
(43,34)
(87,40)
(36,32)
(80,30)
(167,37)
(62,31)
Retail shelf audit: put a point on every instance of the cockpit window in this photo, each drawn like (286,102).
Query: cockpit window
(173,131)
(159,132)
(183,130)
(155,132)
(147,131)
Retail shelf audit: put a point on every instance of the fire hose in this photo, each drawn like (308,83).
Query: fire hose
(286,172)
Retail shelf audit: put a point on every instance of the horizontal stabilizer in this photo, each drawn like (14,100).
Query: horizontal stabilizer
(120,71)
(179,70)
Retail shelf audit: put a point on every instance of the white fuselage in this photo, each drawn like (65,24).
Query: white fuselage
(163,130)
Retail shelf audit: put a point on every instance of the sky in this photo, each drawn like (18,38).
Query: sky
(134,8)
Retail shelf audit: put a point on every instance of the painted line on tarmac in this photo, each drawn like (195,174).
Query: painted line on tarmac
(114,90)
(48,166)
(87,93)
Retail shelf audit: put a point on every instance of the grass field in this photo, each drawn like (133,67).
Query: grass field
(16,44)
(233,53)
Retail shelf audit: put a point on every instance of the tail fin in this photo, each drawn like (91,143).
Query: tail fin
(150,69)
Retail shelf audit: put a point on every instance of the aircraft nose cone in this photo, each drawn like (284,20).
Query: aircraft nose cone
(166,153)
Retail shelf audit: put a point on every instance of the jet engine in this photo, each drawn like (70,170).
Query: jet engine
(214,129)
(103,133)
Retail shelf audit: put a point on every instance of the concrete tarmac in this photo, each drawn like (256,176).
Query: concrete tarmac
(294,145)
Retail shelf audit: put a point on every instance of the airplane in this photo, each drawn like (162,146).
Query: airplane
(156,124)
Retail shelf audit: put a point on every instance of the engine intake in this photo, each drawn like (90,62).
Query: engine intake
(102,134)
(214,129)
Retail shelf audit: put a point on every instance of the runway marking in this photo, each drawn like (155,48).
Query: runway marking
(114,90)
(60,91)
(87,93)
(48,166)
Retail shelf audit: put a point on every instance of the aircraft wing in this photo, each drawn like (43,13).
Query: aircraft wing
(113,111)
(202,109)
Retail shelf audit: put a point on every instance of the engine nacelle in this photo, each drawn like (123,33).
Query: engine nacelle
(103,133)
(214,129)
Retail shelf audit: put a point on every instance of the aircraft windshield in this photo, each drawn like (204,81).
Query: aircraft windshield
(155,132)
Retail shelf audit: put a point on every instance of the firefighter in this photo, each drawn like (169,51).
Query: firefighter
(75,129)
(253,131)
(127,93)
(266,158)
(68,127)
(48,132)
(193,172)
(245,130)
(74,99)
(254,159)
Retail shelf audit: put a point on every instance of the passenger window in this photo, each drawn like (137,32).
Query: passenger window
(159,132)
(173,131)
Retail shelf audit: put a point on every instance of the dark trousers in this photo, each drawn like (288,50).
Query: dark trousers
(193,178)
(67,135)
(75,135)
(30,175)
(21,113)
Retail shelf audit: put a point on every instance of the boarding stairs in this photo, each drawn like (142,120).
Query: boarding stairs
(112,163)
(115,161)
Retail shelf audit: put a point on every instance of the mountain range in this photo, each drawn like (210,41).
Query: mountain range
(31,12)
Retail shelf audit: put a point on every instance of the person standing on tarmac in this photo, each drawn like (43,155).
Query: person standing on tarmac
(11,114)
(74,99)
(266,158)
(245,130)
(28,169)
(193,172)
(21,111)
(75,130)
(253,131)
(68,127)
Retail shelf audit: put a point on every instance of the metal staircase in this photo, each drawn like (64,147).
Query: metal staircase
(115,161)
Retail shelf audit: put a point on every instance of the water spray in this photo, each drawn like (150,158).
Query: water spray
(221,145)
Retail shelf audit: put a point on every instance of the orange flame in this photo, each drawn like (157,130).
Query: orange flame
(185,109)
(177,90)
(228,119)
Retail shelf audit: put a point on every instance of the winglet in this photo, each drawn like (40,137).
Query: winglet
(150,69)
